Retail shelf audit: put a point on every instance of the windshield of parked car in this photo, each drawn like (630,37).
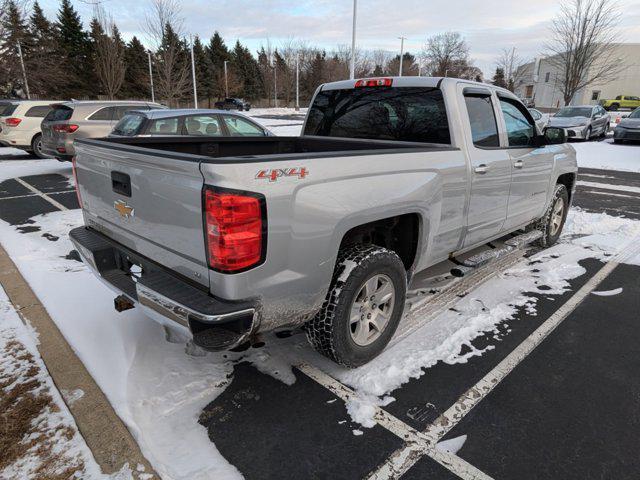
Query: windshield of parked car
(574,112)
(410,114)
(129,125)
(635,113)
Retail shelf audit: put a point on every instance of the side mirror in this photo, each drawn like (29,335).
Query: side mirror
(555,135)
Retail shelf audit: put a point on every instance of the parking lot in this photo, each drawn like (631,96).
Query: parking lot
(528,371)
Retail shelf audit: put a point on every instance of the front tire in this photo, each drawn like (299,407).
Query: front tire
(363,306)
(552,222)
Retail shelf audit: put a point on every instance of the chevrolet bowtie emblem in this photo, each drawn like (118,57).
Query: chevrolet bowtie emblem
(123,209)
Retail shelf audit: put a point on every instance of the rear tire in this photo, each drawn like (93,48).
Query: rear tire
(363,306)
(36,146)
(552,222)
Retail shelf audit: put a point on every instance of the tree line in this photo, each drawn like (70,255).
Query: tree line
(64,60)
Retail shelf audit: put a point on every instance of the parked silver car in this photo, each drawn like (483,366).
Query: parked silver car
(541,119)
(584,122)
(628,128)
(191,122)
(83,119)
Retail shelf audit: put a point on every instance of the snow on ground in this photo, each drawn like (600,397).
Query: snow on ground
(607,156)
(159,390)
(39,436)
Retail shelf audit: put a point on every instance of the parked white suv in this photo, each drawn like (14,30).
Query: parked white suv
(20,124)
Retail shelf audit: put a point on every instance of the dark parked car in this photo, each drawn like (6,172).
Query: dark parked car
(233,104)
(187,122)
(628,128)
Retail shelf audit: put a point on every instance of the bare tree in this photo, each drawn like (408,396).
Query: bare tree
(164,27)
(510,62)
(109,54)
(447,55)
(582,46)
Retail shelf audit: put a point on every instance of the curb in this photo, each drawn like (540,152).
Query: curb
(107,437)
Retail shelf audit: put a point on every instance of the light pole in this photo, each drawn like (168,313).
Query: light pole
(275,84)
(24,72)
(193,76)
(153,96)
(297,81)
(402,39)
(226,80)
(352,67)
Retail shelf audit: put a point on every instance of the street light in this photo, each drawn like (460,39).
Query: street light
(24,72)
(193,75)
(297,81)
(402,39)
(226,82)
(153,96)
(352,67)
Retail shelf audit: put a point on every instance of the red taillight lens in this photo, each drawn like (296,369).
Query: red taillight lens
(75,179)
(65,128)
(374,82)
(234,230)
(12,121)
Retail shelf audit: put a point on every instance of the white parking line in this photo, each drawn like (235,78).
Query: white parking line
(404,458)
(608,186)
(417,443)
(32,194)
(43,195)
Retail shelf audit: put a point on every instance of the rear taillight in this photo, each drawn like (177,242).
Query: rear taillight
(65,128)
(12,121)
(75,179)
(374,82)
(235,225)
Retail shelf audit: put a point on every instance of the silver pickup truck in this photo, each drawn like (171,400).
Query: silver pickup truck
(225,238)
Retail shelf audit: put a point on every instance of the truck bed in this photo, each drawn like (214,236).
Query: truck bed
(257,149)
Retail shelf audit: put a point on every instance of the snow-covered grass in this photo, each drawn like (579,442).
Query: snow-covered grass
(159,390)
(39,438)
(608,156)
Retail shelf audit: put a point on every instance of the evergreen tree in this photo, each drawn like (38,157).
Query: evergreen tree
(498,78)
(46,73)
(14,30)
(136,78)
(95,33)
(74,51)
(204,73)
(246,67)
(218,52)
(172,67)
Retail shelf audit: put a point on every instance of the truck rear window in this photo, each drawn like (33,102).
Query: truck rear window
(410,114)
(59,113)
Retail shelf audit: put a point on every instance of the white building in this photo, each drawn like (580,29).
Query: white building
(538,81)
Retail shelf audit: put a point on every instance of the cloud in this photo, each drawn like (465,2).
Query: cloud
(489,26)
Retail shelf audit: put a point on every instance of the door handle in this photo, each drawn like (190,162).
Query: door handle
(518,164)
(481,169)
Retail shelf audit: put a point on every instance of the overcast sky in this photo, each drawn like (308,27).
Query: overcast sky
(488,25)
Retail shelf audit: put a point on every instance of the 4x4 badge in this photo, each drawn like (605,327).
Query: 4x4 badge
(273,174)
(123,209)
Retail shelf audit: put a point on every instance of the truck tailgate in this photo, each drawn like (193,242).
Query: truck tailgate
(148,202)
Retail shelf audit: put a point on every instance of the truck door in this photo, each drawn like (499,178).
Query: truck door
(490,166)
(531,165)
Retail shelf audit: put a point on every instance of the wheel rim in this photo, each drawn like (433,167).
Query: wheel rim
(39,147)
(371,309)
(588,135)
(556,217)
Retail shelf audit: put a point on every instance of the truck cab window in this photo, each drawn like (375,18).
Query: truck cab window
(482,118)
(520,130)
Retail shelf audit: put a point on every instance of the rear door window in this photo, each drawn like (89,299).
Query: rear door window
(520,130)
(206,125)
(242,128)
(410,114)
(59,113)
(482,119)
(106,113)
(7,109)
(39,111)
(165,126)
